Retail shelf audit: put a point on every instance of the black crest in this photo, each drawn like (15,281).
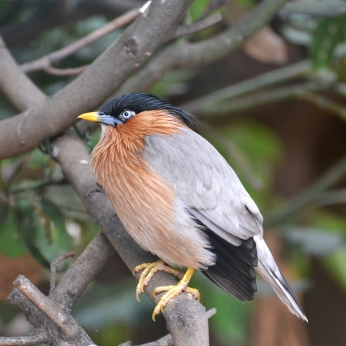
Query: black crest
(140,102)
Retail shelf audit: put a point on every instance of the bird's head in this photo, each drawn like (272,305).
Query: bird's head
(122,109)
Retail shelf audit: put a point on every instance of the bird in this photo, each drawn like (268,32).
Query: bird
(179,199)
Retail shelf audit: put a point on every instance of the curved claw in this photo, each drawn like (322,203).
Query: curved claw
(149,269)
(174,290)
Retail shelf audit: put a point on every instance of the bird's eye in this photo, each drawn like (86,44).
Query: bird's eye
(126,115)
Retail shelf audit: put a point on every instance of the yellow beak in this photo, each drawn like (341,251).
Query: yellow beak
(101,118)
(91,116)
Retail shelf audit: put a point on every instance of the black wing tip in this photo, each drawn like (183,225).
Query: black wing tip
(234,268)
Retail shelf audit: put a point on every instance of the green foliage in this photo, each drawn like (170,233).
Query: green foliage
(329,33)
(12,243)
(247,3)
(34,214)
(230,323)
(335,263)
(197,9)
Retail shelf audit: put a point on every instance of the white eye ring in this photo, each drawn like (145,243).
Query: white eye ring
(126,114)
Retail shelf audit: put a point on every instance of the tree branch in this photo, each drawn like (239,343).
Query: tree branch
(167,340)
(250,85)
(46,61)
(53,267)
(260,98)
(308,195)
(186,54)
(48,17)
(16,86)
(54,115)
(205,23)
(24,340)
(58,304)
(64,322)
(65,71)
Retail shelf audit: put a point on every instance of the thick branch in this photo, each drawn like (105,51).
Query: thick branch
(54,115)
(167,339)
(16,86)
(67,325)
(57,326)
(58,305)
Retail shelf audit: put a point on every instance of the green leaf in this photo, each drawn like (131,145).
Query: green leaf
(45,232)
(11,242)
(328,34)
(60,241)
(197,8)
(335,263)
(247,3)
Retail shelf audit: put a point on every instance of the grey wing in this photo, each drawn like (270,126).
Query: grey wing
(205,182)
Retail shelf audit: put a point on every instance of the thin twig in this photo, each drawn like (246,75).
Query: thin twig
(65,71)
(332,197)
(24,340)
(308,195)
(53,267)
(260,98)
(198,26)
(322,102)
(250,85)
(49,59)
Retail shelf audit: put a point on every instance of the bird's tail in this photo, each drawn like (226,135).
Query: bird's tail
(268,269)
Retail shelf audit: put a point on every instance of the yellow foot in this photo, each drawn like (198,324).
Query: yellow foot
(149,269)
(173,291)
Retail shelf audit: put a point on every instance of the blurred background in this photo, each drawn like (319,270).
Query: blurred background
(283,133)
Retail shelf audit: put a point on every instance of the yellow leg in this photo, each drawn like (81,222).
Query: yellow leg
(149,269)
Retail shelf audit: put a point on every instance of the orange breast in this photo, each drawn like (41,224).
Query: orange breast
(141,198)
